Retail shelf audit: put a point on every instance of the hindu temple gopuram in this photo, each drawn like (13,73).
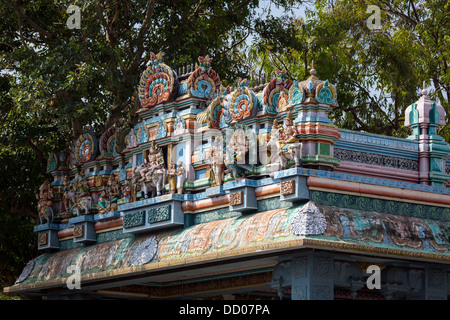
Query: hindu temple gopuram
(250,192)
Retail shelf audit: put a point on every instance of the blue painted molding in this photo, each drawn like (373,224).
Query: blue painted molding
(240,183)
(151,201)
(50,226)
(369,142)
(192,110)
(83,218)
(107,215)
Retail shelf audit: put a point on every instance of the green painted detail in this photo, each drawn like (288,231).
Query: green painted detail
(197,183)
(218,214)
(312,137)
(271,204)
(434,115)
(159,214)
(113,235)
(321,159)
(380,205)
(414,115)
(69,244)
(323,149)
(134,219)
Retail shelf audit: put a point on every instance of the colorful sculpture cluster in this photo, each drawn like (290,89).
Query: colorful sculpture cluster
(241,130)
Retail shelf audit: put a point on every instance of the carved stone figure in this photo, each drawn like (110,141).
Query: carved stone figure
(238,148)
(109,196)
(216,161)
(45,204)
(127,190)
(181,177)
(81,200)
(172,177)
(65,193)
(290,131)
(284,145)
(153,172)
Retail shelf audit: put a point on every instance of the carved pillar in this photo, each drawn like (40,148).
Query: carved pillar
(312,277)
(435,282)
(424,156)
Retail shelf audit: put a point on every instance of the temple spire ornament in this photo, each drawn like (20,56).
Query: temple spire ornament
(312,71)
(424,117)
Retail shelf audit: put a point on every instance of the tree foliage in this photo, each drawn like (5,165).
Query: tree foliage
(378,73)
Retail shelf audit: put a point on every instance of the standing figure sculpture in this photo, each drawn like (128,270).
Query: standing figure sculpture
(181,177)
(238,147)
(216,162)
(80,195)
(127,190)
(153,173)
(45,204)
(172,177)
(65,193)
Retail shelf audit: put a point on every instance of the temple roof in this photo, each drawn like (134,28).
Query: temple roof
(250,236)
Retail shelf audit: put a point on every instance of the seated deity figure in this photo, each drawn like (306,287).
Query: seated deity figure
(81,186)
(152,162)
(109,196)
(289,131)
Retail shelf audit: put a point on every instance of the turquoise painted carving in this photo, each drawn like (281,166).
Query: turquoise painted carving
(133,219)
(162,131)
(381,205)
(159,214)
(324,94)
(296,94)
(434,115)
(52,162)
(204,90)
(310,86)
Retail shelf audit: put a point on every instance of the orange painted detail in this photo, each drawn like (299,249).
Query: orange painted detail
(100,225)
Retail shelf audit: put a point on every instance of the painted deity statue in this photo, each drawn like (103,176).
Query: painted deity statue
(181,177)
(238,147)
(81,186)
(290,131)
(216,161)
(109,196)
(284,144)
(45,204)
(126,189)
(172,177)
(66,193)
(153,172)
(153,162)
(80,196)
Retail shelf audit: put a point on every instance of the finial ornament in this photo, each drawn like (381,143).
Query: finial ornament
(312,71)
(424,89)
